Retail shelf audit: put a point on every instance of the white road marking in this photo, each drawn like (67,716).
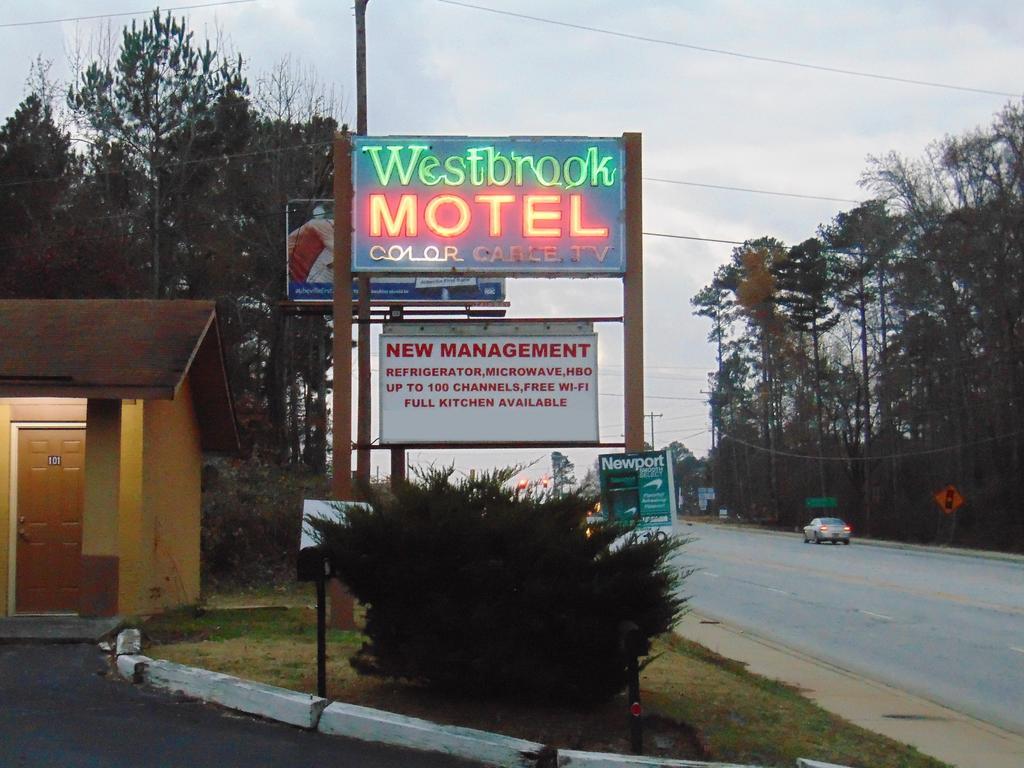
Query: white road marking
(876,615)
(773,589)
(708,573)
(1015,648)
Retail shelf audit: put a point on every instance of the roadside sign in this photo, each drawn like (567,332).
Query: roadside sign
(488,384)
(638,487)
(539,205)
(949,499)
(322,509)
(821,502)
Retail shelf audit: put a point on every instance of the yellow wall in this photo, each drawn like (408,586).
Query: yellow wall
(102,478)
(131,534)
(171,502)
(5,509)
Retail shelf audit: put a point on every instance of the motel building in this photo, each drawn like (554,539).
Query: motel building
(106,408)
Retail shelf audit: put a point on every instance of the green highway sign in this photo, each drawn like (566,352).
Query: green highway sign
(821,502)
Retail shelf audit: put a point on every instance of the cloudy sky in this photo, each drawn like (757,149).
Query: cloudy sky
(693,77)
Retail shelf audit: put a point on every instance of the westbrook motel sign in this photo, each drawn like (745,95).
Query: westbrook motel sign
(543,206)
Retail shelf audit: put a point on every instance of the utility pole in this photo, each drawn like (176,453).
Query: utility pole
(360,8)
(342,603)
(652,416)
(363,408)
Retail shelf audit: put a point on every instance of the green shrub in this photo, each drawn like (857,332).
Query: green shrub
(473,587)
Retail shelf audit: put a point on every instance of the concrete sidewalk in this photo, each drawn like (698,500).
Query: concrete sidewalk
(932,729)
(22,630)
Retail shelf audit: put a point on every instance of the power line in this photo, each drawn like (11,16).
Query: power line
(688,417)
(118,15)
(176,163)
(324,144)
(320,144)
(663,376)
(672,236)
(904,455)
(735,54)
(689,433)
(664,367)
(657,397)
(752,191)
(693,237)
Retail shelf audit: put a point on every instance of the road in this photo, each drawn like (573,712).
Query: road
(946,627)
(57,708)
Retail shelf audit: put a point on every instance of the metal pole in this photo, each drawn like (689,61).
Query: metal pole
(341,439)
(397,465)
(636,722)
(364,407)
(633,296)
(321,635)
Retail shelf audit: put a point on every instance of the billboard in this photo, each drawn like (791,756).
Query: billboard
(309,226)
(514,205)
(638,487)
(488,384)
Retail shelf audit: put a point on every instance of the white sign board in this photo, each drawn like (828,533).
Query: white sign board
(322,510)
(488,384)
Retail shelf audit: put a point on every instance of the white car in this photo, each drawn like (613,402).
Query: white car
(826,529)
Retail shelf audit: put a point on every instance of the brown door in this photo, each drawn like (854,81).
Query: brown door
(51,463)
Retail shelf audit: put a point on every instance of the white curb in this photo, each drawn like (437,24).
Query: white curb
(133,667)
(570,758)
(267,701)
(374,725)
(365,724)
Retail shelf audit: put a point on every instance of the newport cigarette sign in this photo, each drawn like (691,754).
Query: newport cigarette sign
(548,205)
(638,488)
(488,384)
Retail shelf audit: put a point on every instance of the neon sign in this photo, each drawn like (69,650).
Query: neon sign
(547,205)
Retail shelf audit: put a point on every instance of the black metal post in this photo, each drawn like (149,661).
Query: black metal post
(633,644)
(321,634)
(636,721)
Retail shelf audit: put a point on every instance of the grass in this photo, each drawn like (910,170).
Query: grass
(698,704)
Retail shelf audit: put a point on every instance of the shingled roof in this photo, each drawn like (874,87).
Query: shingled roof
(119,350)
